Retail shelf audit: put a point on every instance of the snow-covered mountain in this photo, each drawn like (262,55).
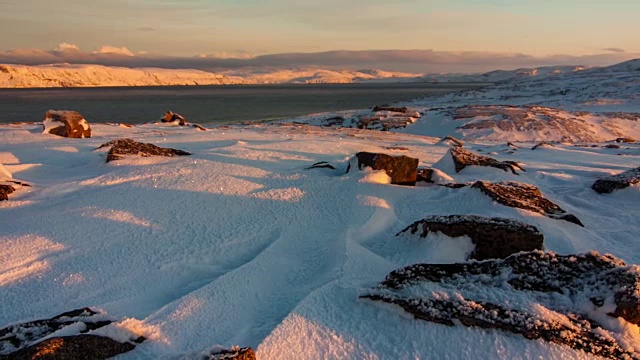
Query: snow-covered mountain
(68,75)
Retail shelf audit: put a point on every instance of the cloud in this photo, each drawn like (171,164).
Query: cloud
(423,61)
(106,49)
(614,50)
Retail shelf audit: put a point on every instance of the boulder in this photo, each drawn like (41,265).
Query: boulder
(402,170)
(66,123)
(542,144)
(5,190)
(524,196)
(122,147)
(622,180)
(612,146)
(174,118)
(425,175)
(73,347)
(494,238)
(625,140)
(537,295)
(463,158)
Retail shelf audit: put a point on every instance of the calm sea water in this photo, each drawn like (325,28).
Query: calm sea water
(208,104)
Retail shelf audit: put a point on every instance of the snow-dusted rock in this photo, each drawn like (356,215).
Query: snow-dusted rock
(625,140)
(619,181)
(538,295)
(171,117)
(121,147)
(74,347)
(463,158)
(524,196)
(493,238)
(402,170)
(246,353)
(451,141)
(66,123)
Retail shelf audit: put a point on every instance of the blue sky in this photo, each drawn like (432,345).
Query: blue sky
(240,28)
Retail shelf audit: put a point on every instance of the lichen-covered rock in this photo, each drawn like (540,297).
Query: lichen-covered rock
(622,180)
(121,147)
(494,238)
(66,123)
(538,295)
(524,196)
(71,348)
(237,353)
(21,335)
(463,158)
(174,118)
(402,170)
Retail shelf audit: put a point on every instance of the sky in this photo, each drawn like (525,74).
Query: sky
(473,31)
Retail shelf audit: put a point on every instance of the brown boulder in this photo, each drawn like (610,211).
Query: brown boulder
(66,123)
(625,140)
(524,196)
(463,158)
(5,190)
(425,175)
(173,117)
(494,238)
(622,180)
(246,353)
(402,170)
(71,348)
(122,147)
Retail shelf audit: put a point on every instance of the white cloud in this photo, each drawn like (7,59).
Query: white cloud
(107,49)
(66,47)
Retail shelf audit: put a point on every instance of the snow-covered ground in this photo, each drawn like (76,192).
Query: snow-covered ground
(75,75)
(239,244)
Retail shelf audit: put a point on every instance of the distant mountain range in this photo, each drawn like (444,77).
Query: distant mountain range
(77,75)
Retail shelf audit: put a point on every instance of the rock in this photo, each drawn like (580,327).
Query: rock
(5,190)
(612,146)
(451,141)
(512,145)
(622,180)
(524,196)
(550,291)
(494,238)
(402,170)
(21,335)
(625,140)
(201,128)
(390,108)
(425,175)
(72,347)
(542,144)
(122,147)
(334,121)
(454,185)
(246,353)
(66,123)
(397,148)
(463,158)
(173,117)
(321,164)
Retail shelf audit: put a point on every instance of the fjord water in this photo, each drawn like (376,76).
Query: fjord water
(209,104)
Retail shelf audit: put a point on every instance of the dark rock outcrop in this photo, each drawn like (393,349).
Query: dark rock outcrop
(612,146)
(121,147)
(542,144)
(402,170)
(71,348)
(173,117)
(5,190)
(560,285)
(452,141)
(609,184)
(390,108)
(494,238)
(625,140)
(463,158)
(524,196)
(21,335)
(66,123)
(246,353)
(425,175)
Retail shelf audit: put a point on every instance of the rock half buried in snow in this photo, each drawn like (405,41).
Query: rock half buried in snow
(524,196)
(174,118)
(538,295)
(402,170)
(5,190)
(494,238)
(73,347)
(625,179)
(66,123)
(463,158)
(19,336)
(122,147)
(238,353)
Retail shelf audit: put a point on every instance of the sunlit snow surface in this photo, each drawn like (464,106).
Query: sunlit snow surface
(238,244)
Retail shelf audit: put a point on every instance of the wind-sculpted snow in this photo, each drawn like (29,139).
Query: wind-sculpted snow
(538,295)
